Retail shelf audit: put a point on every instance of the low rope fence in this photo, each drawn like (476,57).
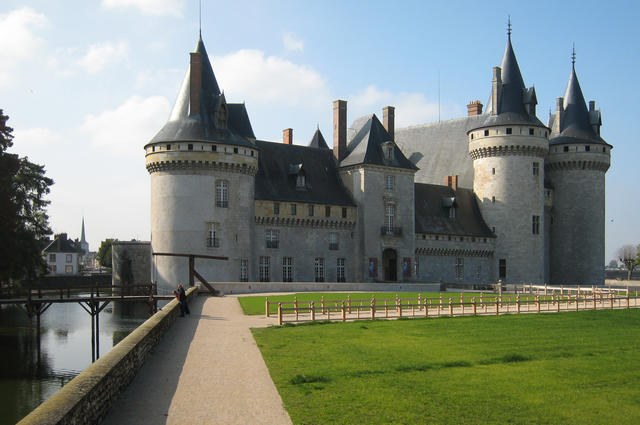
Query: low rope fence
(394,308)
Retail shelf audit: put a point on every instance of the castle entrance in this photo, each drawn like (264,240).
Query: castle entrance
(390,265)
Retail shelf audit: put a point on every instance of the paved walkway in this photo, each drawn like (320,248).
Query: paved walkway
(207,369)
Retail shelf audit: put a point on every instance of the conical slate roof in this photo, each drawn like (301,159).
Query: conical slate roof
(317,141)
(366,147)
(575,124)
(513,95)
(185,125)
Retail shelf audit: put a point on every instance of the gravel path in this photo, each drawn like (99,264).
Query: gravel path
(207,369)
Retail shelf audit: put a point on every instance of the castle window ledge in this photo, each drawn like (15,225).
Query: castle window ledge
(391,231)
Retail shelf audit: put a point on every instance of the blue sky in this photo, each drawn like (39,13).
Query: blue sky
(87,83)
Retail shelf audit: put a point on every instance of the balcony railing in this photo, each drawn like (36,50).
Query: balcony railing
(213,242)
(391,231)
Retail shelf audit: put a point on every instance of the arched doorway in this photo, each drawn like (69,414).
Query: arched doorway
(390,265)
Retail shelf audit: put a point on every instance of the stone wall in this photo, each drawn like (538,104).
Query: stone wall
(131,264)
(261,287)
(87,398)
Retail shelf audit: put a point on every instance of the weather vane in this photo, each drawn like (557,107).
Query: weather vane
(509,25)
(573,54)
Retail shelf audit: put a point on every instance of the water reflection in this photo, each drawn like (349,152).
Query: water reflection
(26,379)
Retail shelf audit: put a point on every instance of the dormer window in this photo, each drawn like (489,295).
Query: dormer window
(300,176)
(387,150)
(221,116)
(452,212)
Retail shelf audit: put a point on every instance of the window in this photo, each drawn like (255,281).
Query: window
(276,208)
(214,148)
(68,269)
(493,199)
(471,136)
(344,212)
(244,272)
(531,132)
(271,237)
(294,209)
(68,258)
(486,132)
(168,147)
(52,258)
(509,130)
(502,267)
(153,148)
(535,224)
(222,194)
(389,216)
(310,210)
(318,269)
(493,171)
(235,150)
(327,211)
(459,268)
(264,269)
(452,212)
(587,148)
(190,146)
(333,241)
(390,183)
(536,168)
(213,236)
(566,149)
(287,269)
(53,268)
(301,181)
(340,270)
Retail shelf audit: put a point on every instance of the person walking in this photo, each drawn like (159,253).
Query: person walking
(184,307)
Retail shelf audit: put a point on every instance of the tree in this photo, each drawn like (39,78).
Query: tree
(23,218)
(613,264)
(629,256)
(104,253)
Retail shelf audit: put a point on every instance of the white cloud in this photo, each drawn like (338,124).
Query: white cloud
(149,7)
(100,55)
(127,128)
(411,108)
(250,75)
(18,41)
(292,43)
(26,139)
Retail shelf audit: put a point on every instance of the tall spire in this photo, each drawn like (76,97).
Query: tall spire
(82,238)
(576,115)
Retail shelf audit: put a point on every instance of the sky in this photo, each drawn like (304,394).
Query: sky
(87,84)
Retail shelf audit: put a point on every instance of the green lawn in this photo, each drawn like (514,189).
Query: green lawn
(253,305)
(577,368)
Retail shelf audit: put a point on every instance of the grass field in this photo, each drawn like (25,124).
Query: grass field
(253,305)
(566,368)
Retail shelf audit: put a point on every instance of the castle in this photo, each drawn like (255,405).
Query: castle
(494,195)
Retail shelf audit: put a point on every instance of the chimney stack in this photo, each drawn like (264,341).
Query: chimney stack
(474,108)
(496,89)
(287,136)
(452,182)
(339,129)
(389,119)
(195,83)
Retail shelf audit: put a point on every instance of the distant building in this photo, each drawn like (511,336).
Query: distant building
(62,256)
(521,201)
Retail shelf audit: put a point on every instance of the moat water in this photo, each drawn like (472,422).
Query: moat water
(27,380)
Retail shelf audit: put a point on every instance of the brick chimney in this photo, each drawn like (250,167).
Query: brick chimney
(452,182)
(496,90)
(389,120)
(339,129)
(287,136)
(474,108)
(195,83)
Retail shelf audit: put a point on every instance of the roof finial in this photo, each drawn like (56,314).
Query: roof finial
(509,26)
(200,18)
(573,56)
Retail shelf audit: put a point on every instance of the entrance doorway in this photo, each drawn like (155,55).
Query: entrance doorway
(390,265)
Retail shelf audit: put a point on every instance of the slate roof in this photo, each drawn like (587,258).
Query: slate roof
(317,141)
(278,168)
(365,147)
(432,213)
(440,149)
(186,126)
(62,244)
(513,96)
(576,121)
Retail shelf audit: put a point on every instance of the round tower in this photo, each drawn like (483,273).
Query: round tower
(508,152)
(202,165)
(576,166)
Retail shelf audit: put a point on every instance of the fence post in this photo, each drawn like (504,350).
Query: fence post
(473,302)
(313,312)
(295,306)
(481,298)
(497,307)
(420,300)
(373,307)
(398,308)
(518,302)
(450,307)
(558,304)
(344,312)
(627,297)
(440,305)
(426,308)
(594,300)
(386,309)
(611,301)
(322,301)
(577,302)
(538,303)
(279,314)
(349,302)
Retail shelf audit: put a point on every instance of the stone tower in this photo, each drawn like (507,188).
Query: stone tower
(576,166)
(508,151)
(202,165)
